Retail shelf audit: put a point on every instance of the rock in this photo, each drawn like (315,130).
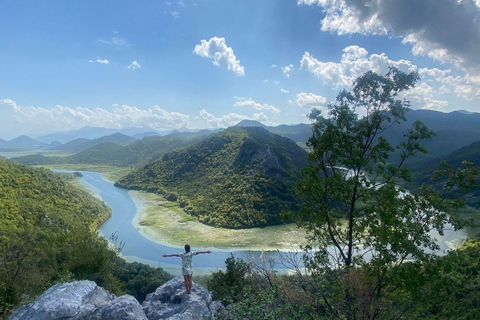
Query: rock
(84,300)
(73,300)
(125,307)
(170,301)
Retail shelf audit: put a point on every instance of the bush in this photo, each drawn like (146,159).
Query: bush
(229,286)
(171,196)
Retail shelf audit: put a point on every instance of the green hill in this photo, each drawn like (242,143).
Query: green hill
(48,235)
(240,177)
(41,217)
(423,170)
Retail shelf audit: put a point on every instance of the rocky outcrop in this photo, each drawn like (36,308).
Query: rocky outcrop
(170,301)
(84,300)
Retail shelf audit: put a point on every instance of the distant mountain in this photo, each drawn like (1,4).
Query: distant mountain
(80,144)
(454,130)
(250,123)
(110,153)
(89,133)
(147,134)
(240,177)
(135,154)
(22,141)
(55,144)
(71,146)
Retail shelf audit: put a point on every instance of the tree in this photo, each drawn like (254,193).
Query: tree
(358,217)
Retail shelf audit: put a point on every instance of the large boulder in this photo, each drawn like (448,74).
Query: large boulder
(84,300)
(171,301)
(125,307)
(80,300)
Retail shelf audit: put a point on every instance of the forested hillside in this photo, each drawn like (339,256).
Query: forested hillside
(422,171)
(47,235)
(240,177)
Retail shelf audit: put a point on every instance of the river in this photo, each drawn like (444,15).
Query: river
(139,248)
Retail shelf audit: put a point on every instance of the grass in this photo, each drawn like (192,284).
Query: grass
(165,222)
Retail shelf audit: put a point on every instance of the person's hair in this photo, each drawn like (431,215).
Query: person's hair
(187,248)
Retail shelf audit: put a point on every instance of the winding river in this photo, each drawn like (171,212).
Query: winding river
(137,247)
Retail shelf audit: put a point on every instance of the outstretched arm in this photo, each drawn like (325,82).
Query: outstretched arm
(199,252)
(170,255)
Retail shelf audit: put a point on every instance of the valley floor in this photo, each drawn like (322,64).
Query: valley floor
(164,222)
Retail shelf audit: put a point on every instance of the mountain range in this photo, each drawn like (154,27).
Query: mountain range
(240,177)
(91,133)
(82,144)
(117,149)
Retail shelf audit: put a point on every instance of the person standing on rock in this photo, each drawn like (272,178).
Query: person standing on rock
(187,268)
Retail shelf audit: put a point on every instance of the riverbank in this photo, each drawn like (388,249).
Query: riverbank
(166,223)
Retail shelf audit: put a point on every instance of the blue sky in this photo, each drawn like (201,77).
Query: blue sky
(207,64)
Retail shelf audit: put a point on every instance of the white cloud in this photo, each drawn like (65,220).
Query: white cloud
(422,96)
(274,65)
(284,91)
(287,69)
(182,4)
(231,119)
(310,100)
(134,65)
(168,3)
(98,60)
(354,62)
(222,55)
(175,14)
(447,31)
(249,103)
(466,87)
(117,43)
(38,120)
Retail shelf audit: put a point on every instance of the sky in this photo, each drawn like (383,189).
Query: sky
(212,63)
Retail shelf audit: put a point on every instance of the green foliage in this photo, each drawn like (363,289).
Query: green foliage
(258,292)
(47,235)
(139,279)
(424,170)
(444,288)
(240,177)
(229,286)
(353,205)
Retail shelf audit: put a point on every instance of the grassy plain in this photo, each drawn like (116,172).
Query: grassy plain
(163,221)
